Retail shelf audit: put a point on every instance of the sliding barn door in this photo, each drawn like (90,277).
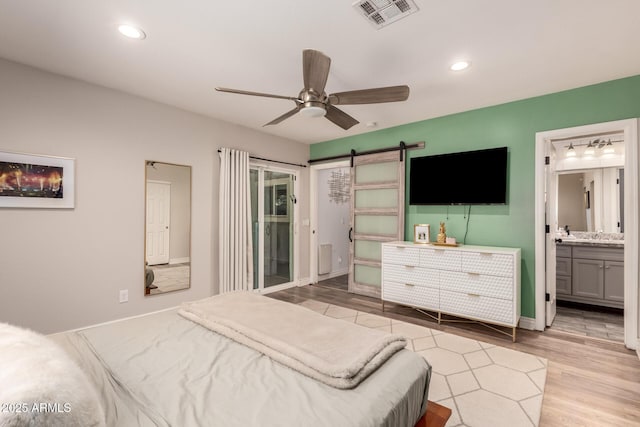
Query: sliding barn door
(377,215)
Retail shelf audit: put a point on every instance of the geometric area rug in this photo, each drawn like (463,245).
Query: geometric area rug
(483,384)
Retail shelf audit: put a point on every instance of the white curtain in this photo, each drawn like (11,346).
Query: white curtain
(234,247)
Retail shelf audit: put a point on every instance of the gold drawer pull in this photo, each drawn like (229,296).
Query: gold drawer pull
(409,266)
(473,295)
(471,273)
(409,284)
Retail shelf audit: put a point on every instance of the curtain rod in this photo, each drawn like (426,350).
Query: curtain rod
(362,153)
(273,161)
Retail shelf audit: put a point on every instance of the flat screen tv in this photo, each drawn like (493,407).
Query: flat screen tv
(465,178)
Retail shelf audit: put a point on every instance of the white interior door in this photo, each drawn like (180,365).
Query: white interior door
(551,212)
(158,222)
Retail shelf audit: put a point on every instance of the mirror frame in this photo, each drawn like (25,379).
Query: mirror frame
(189,220)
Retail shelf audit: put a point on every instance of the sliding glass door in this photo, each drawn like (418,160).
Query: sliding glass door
(272,216)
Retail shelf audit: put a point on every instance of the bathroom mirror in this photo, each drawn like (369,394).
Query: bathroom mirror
(592,200)
(167,254)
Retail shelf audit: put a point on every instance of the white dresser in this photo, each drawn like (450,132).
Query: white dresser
(480,283)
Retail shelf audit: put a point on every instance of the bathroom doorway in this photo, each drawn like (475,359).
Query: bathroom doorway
(573,266)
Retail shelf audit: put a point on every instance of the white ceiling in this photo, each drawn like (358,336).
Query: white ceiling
(518,49)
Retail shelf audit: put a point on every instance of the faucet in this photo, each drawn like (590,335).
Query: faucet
(566,229)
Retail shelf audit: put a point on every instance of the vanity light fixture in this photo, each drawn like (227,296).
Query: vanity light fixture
(608,148)
(590,150)
(460,65)
(131,32)
(571,151)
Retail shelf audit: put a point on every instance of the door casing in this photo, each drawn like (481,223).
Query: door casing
(631,214)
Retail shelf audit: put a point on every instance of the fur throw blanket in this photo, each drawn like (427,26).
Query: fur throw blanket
(41,386)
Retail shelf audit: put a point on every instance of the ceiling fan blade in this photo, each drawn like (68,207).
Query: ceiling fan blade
(340,118)
(315,70)
(246,92)
(370,96)
(283,117)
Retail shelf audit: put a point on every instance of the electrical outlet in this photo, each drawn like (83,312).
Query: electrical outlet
(124,295)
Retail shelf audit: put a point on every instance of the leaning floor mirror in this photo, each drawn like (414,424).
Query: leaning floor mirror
(167,249)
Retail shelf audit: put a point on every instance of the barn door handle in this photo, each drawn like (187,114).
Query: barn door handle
(350,237)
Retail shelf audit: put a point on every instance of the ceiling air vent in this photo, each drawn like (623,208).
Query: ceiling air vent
(381,13)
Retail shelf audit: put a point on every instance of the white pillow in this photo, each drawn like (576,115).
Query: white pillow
(41,386)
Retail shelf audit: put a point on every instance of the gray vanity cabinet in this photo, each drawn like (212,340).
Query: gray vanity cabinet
(563,270)
(590,274)
(588,278)
(614,281)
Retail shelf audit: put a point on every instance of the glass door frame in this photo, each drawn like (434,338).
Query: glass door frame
(261,168)
(314,208)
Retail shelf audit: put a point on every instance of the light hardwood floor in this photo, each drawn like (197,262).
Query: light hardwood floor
(590,382)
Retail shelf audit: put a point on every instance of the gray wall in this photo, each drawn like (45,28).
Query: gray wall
(62,269)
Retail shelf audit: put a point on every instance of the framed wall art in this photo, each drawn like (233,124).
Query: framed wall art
(33,181)
(421,233)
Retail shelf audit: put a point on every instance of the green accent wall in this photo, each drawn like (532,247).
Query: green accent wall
(513,125)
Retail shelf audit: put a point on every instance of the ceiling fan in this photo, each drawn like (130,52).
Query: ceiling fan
(314,101)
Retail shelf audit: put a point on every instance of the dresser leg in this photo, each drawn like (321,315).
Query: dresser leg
(513,335)
(383,306)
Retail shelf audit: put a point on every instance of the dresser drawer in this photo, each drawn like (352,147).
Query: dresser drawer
(413,295)
(402,255)
(493,264)
(410,274)
(441,259)
(478,284)
(478,307)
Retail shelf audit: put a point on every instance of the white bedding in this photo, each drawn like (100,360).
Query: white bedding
(329,350)
(164,370)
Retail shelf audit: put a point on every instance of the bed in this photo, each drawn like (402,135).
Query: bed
(163,369)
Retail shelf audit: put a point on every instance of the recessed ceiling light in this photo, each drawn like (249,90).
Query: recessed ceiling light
(131,32)
(460,65)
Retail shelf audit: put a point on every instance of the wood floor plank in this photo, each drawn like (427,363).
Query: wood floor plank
(590,381)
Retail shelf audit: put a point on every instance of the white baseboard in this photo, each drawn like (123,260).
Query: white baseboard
(527,323)
(116,320)
(304,281)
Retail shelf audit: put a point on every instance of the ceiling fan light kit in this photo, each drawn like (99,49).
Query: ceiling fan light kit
(313,101)
(312,111)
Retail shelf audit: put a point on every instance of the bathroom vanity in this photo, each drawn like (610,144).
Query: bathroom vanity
(590,271)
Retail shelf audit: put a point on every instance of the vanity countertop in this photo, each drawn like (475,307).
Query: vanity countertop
(593,242)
